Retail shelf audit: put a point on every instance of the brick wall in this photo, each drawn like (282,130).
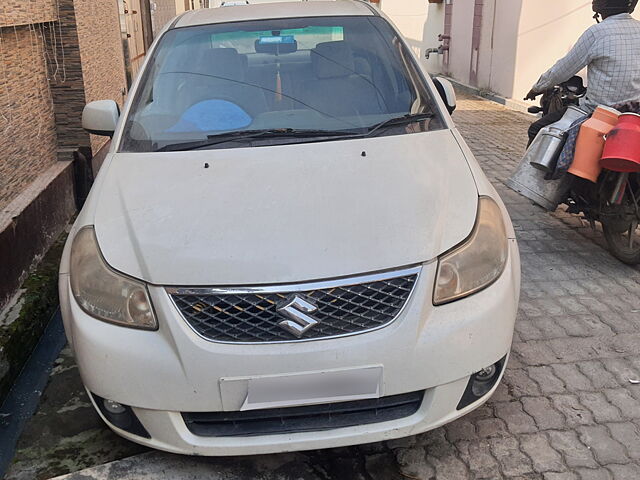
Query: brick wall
(101,53)
(27,128)
(68,87)
(27,12)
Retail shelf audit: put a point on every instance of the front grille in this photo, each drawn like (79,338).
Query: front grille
(250,316)
(303,419)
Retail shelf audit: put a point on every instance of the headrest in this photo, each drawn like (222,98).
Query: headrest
(222,62)
(332,60)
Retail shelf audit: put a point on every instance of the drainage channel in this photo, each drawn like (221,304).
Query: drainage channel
(23,398)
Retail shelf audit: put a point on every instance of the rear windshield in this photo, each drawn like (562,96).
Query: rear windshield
(334,74)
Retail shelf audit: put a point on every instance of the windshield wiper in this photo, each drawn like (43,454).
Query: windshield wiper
(253,134)
(403,120)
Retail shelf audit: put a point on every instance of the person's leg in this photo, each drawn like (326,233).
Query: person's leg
(547,120)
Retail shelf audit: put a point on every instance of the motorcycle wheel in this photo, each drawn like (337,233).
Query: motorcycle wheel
(624,244)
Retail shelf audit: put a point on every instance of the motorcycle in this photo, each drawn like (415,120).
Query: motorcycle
(613,201)
(562,96)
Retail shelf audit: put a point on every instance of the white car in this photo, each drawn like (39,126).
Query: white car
(289,245)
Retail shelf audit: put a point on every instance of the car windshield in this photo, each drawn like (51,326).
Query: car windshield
(280,81)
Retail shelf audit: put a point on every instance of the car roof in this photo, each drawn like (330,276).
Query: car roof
(286,9)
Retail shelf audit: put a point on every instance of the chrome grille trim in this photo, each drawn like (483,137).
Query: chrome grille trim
(292,288)
(296,287)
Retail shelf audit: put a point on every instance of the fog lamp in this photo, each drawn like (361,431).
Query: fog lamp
(481,383)
(120,416)
(114,408)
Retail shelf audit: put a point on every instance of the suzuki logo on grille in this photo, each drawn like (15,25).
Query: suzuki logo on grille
(297,309)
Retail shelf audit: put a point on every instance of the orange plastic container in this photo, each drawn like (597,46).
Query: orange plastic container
(590,143)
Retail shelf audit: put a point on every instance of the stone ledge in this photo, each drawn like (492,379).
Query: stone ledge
(30,224)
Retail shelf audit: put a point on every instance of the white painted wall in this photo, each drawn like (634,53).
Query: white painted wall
(420,24)
(547,31)
(520,38)
(461,36)
(498,45)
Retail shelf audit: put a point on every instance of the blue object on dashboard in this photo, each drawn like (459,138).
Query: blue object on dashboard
(212,115)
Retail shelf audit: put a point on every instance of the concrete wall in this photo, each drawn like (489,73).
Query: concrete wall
(181,6)
(162,12)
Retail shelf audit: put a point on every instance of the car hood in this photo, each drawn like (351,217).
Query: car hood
(283,214)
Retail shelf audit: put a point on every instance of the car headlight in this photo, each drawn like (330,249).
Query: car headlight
(103,293)
(478,262)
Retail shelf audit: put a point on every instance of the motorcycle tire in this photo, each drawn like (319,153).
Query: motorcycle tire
(619,245)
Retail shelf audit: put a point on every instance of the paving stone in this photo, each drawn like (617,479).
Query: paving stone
(520,383)
(621,369)
(599,376)
(573,411)
(461,429)
(543,412)
(585,326)
(605,449)
(545,458)
(549,327)
(575,453)
(534,353)
(625,472)
(527,330)
(449,468)
(602,409)
(573,378)
(560,476)
(503,393)
(621,398)
(507,452)
(546,379)
(618,322)
(477,455)
(379,466)
(594,474)
(491,427)
(514,416)
(628,435)
(576,349)
(413,463)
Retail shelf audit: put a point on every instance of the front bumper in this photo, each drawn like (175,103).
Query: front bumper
(161,374)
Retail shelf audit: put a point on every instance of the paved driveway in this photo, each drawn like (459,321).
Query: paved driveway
(569,407)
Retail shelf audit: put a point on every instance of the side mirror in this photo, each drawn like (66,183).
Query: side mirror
(446,91)
(101,117)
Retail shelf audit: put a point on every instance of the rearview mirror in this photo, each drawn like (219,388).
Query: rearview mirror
(277,45)
(446,91)
(101,117)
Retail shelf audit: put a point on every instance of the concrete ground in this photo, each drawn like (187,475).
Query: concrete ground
(568,408)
